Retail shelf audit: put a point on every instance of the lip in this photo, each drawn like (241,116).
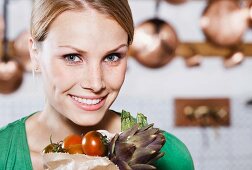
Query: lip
(87,107)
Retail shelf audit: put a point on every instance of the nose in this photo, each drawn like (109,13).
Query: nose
(93,79)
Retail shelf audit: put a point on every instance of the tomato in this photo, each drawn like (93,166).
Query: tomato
(72,140)
(93,144)
(72,144)
(74,149)
(48,148)
(54,147)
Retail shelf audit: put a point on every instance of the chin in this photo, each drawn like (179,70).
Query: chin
(88,120)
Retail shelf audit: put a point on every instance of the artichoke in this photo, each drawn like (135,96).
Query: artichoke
(137,147)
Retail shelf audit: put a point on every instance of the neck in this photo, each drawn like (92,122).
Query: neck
(57,124)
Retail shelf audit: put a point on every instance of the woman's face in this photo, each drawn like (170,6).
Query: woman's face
(83,64)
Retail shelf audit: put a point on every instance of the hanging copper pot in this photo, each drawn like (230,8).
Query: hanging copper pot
(21,50)
(176,1)
(154,43)
(224,22)
(11,71)
(11,76)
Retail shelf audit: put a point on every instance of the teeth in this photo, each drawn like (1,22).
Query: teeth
(87,101)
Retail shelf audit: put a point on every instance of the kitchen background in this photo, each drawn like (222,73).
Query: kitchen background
(152,91)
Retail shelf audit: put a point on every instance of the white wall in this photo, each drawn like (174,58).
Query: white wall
(151,91)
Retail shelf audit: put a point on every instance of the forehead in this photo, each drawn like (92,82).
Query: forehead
(86,28)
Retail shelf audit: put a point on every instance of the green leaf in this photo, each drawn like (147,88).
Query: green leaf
(127,121)
(141,120)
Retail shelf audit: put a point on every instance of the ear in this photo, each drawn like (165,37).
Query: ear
(33,49)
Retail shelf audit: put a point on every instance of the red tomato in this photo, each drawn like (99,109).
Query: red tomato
(74,149)
(93,144)
(72,140)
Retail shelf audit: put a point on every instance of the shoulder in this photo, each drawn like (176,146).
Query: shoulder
(7,131)
(7,134)
(12,144)
(177,156)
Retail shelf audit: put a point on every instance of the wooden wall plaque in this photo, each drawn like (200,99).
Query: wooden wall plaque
(202,111)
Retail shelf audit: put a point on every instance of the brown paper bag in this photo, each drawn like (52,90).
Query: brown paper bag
(65,161)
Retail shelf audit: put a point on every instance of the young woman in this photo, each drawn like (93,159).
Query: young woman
(80,48)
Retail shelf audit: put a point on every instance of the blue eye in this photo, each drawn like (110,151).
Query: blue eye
(112,57)
(72,58)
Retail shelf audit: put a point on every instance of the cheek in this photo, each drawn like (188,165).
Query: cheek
(58,77)
(114,78)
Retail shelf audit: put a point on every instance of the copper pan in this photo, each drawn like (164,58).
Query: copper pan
(154,43)
(223,22)
(11,71)
(11,76)
(21,50)
(176,1)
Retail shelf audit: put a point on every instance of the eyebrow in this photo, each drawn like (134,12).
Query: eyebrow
(117,48)
(84,52)
(76,49)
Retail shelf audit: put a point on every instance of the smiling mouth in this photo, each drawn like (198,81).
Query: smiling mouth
(87,101)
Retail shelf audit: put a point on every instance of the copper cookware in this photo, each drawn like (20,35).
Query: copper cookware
(11,72)
(224,22)
(11,76)
(176,1)
(21,50)
(154,43)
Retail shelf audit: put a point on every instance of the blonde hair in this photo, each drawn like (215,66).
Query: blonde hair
(45,11)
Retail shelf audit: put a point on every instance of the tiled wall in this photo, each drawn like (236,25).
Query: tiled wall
(152,91)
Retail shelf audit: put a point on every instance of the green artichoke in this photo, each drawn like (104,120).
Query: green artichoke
(137,147)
